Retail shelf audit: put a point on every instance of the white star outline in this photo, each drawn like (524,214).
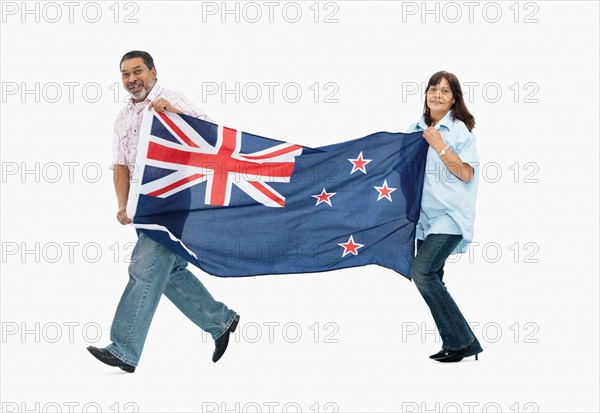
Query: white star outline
(360,160)
(385,191)
(326,195)
(350,247)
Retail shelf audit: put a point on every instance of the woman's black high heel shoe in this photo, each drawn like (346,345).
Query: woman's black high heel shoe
(452,356)
(449,356)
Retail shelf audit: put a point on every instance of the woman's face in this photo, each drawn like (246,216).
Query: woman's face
(439,97)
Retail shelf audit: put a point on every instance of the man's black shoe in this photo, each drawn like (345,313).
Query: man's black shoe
(449,356)
(106,357)
(222,342)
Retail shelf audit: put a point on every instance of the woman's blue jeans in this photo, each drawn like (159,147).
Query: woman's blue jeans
(154,270)
(427,273)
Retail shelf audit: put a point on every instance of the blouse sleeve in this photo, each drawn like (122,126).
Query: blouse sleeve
(466,148)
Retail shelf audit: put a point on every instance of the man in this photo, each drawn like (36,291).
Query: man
(154,269)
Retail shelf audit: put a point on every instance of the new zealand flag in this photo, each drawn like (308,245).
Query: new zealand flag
(236,204)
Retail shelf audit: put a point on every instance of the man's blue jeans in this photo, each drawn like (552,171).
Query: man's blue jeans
(427,273)
(155,270)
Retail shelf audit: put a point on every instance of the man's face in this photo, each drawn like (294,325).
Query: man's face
(138,80)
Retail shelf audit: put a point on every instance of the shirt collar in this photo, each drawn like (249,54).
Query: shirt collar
(446,121)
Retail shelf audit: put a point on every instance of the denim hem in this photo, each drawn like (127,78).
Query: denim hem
(227,325)
(200,308)
(120,357)
(444,347)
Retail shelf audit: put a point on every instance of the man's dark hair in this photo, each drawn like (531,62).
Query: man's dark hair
(148,61)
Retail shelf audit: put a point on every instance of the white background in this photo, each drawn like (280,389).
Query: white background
(534,307)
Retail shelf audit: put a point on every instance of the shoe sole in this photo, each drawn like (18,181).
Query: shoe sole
(456,359)
(451,359)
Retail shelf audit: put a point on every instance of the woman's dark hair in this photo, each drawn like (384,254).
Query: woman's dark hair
(148,61)
(458,109)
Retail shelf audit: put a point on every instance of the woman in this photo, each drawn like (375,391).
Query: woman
(447,208)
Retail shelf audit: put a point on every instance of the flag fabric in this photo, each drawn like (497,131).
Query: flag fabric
(236,204)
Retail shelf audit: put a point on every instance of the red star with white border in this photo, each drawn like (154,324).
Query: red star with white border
(384,191)
(350,247)
(359,163)
(324,196)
